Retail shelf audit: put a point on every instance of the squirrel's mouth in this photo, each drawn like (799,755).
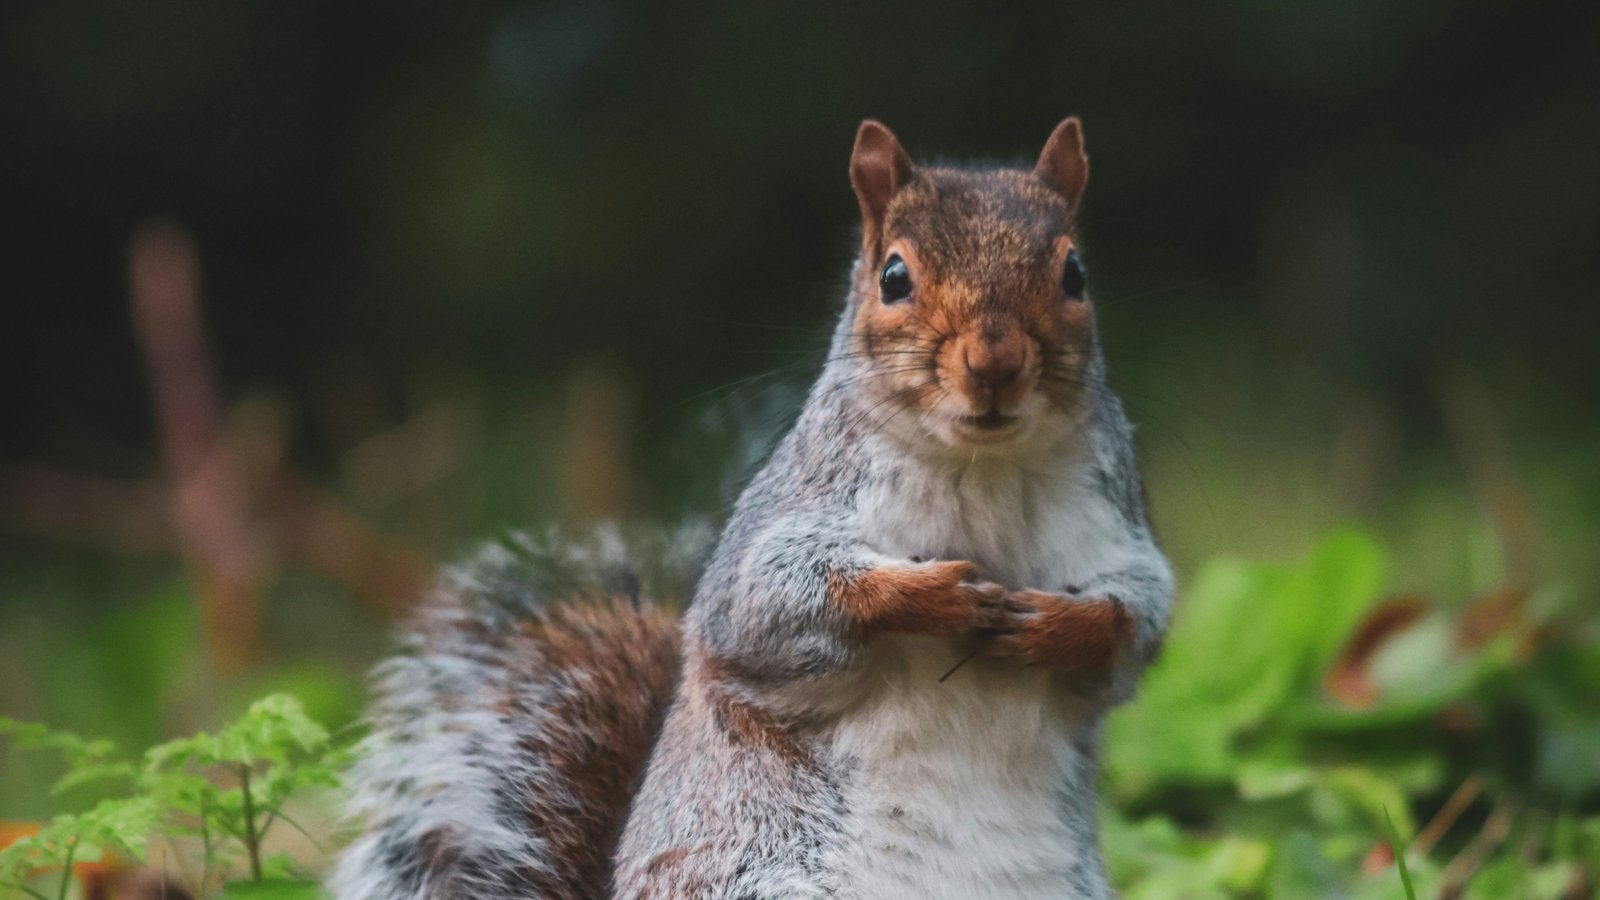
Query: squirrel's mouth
(993,420)
(992,427)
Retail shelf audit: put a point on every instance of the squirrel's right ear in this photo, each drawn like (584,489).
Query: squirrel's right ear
(879,167)
(1063,165)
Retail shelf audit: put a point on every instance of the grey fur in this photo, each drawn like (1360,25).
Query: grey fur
(759,785)
(761,613)
(445,782)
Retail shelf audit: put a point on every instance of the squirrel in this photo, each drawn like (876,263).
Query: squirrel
(892,675)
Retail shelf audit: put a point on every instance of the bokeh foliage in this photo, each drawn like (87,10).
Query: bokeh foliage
(1293,765)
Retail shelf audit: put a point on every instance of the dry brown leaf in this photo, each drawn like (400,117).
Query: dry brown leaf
(1349,679)
(1490,616)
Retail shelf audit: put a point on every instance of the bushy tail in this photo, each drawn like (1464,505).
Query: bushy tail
(510,736)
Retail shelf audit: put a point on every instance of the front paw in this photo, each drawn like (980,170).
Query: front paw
(946,599)
(983,607)
(942,599)
(1061,631)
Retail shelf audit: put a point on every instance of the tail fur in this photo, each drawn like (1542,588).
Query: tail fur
(510,735)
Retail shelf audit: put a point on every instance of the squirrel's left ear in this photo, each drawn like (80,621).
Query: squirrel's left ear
(879,167)
(1063,164)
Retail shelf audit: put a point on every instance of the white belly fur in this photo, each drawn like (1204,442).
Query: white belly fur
(956,788)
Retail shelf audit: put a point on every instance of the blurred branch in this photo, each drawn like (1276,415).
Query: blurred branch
(316,530)
(230,505)
(1439,825)
(164,283)
(1456,875)
(72,506)
(407,459)
(226,561)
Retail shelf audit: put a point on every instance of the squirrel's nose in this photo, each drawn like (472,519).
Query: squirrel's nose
(994,364)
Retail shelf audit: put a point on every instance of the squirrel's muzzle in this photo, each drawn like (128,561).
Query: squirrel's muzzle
(994,368)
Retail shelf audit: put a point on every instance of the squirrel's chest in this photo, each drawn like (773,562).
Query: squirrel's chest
(972,788)
(1021,529)
(981,785)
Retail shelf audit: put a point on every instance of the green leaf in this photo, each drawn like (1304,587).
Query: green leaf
(279,867)
(274,889)
(274,727)
(1153,860)
(1249,643)
(120,825)
(1400,856)
(1301,869)
(1339,582)
(274,748)
(200,749)
(1267,780)
(32,736)
(1241,866)
(1370,795)
(92,773)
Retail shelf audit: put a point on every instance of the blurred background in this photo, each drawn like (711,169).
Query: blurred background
(302,298)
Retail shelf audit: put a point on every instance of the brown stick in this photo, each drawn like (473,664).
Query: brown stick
(229,500)
(1452,809)
(133,517)
(1454,879)
(319,532)
(208,503)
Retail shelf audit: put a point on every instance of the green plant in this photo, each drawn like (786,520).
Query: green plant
(1399,846)
(112,825)
(227,790)
(1299,725)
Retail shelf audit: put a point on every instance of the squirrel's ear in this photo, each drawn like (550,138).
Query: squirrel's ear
(1063,164)
(878,168)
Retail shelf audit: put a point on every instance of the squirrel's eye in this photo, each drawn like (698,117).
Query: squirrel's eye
(895,280)
(1073,276)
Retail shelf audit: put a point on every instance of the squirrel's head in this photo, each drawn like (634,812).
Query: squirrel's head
(969,319)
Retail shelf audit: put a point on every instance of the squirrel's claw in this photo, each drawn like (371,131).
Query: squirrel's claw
(1060,631)
(988,603)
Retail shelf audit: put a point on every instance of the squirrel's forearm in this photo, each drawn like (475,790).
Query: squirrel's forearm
(805,607)
(763,612)
(1145,591)
(940,599)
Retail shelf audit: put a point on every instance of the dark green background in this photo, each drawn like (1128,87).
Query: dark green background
(1369,188)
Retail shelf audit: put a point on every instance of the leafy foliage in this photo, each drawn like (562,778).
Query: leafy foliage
(1285,785)
(88,760)
(1301,736)
(227,790)
(122,826)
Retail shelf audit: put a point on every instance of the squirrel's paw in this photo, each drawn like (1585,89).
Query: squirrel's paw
(1061,631)
(989,605)
(956,603)
(935,598)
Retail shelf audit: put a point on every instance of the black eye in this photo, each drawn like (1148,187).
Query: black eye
(895,280)
(1074,277)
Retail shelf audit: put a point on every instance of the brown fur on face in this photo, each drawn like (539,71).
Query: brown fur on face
(987,345)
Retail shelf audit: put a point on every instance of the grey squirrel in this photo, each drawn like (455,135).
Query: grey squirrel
(892,676)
